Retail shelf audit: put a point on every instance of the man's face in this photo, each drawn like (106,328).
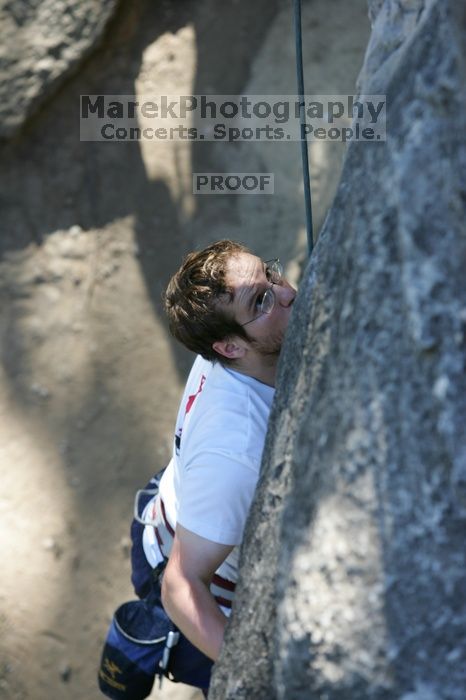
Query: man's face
(245,276)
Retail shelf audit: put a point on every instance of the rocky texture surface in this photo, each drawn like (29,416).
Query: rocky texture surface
(353,566)
(42,41)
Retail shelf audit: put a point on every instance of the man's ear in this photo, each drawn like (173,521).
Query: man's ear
(231,348)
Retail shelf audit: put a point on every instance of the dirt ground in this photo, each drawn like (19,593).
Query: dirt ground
(90,378)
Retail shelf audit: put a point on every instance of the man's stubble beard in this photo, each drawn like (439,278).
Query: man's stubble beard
(269,348)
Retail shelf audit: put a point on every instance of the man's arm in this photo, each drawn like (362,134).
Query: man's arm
(185,590)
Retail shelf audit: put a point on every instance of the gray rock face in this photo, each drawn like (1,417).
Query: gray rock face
(42,41)
(353,582)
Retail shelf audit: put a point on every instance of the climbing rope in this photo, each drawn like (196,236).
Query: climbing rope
(302,119)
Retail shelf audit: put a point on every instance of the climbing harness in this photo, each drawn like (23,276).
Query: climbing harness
(302,117)
(142,643)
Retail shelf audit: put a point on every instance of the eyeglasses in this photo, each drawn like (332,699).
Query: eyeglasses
(266,301)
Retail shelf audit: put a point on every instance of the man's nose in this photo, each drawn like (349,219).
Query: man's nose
(286,294)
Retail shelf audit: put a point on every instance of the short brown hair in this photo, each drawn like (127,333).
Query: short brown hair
(195,316)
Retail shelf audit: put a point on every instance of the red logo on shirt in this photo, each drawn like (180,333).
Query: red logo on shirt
(189,405)
(192,398)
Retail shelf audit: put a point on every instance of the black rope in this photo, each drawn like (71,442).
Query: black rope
(302,118)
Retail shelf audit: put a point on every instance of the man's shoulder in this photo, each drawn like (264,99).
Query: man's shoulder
(222,406)
(231,393)
(228,419)
(217,378)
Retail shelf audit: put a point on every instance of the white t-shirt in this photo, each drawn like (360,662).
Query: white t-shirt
(210,481)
